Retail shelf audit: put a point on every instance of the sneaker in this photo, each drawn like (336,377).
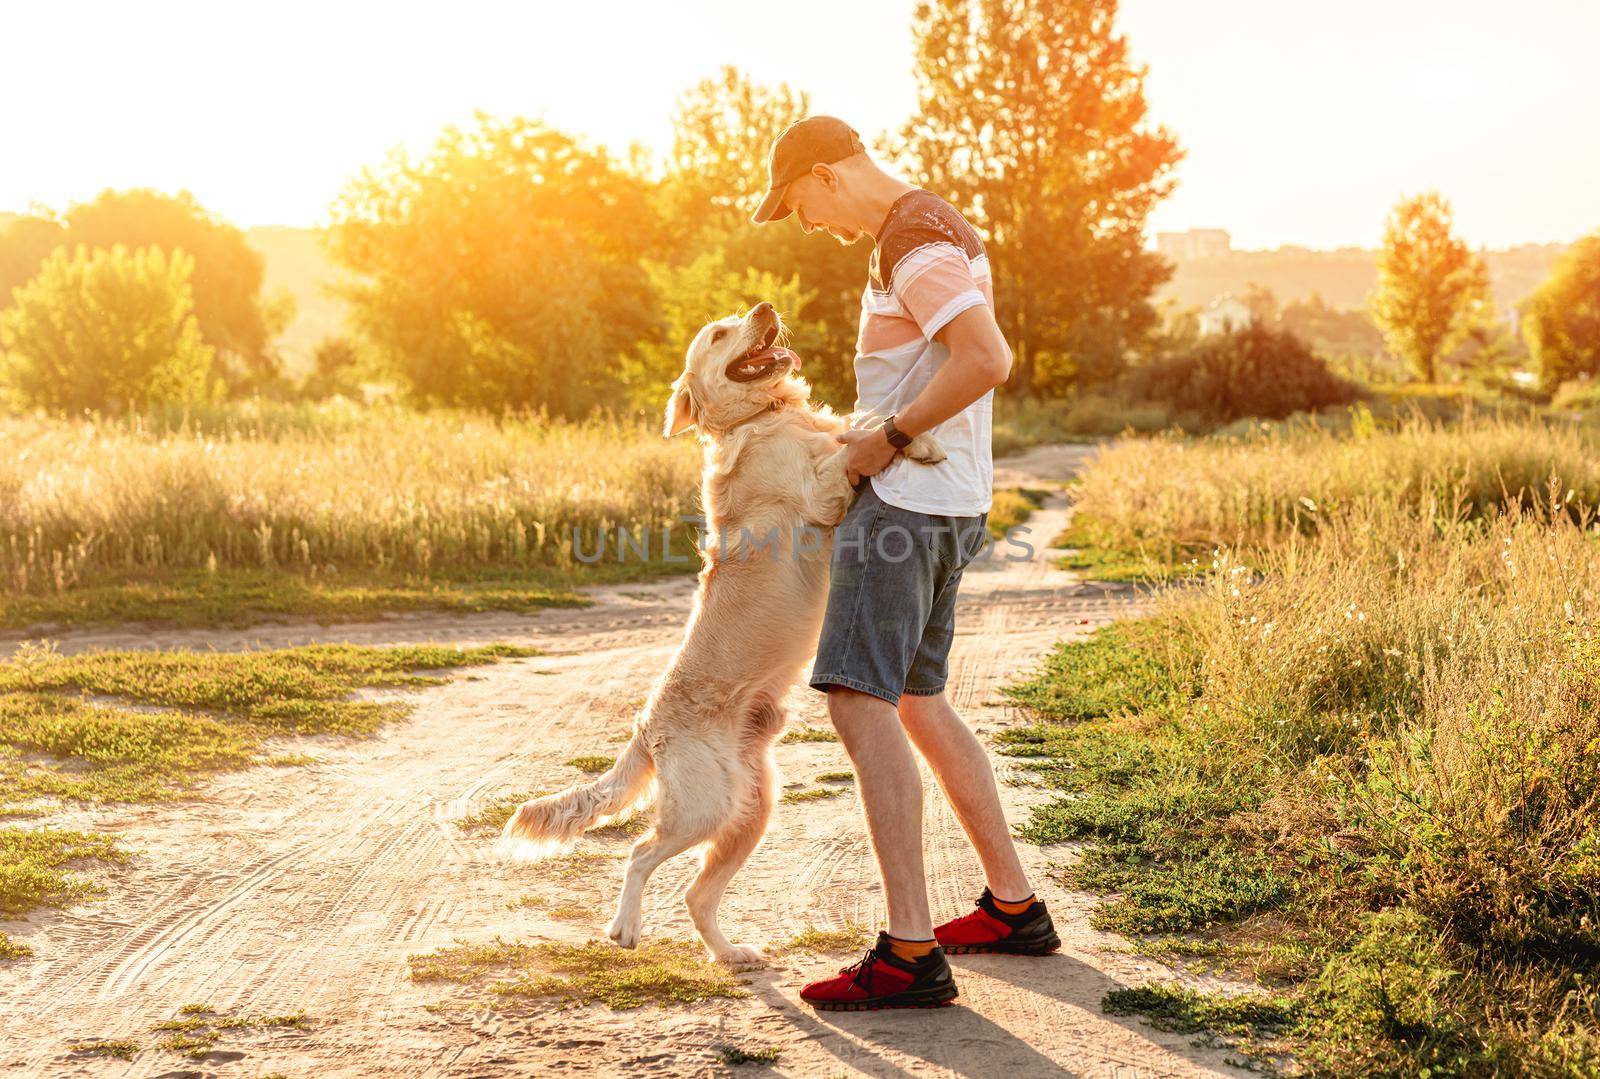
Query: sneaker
(883,980)
(990,929)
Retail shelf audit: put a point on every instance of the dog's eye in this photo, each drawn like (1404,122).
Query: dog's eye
(719,335)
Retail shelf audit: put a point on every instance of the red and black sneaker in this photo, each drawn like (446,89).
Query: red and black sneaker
(990,929)
(883,980)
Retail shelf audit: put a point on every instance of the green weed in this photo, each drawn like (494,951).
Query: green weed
(660,972)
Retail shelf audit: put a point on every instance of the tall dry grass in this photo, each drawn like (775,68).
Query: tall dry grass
(1384,698)
(381,488)
(1424,695)
(1276,480)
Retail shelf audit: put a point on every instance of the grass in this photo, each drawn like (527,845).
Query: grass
(493,817)
(804,733)
(734,1055)
(593,765)
(503,973)
(132,726)
(850,938)
(340,513)
(1176,499)
(35,864)
(814,794)
(1359,761)
(116,1048)
(1184,1011)
(197,1028)
(1011,508)
(11,949)
(1103,558)
(836,777)
(241,597)
(105,727)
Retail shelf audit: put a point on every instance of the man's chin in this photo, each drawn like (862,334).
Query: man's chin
(845,238)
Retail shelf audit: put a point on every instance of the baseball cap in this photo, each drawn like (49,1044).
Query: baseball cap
(816,140)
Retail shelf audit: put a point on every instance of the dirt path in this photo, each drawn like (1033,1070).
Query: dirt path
(306,889)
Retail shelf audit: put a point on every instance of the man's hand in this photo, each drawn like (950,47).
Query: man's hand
(867,453)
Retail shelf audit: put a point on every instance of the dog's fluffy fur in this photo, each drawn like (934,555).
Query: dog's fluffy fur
(705,735)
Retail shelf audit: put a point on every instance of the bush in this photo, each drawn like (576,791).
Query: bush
(112,330)
(1249,372)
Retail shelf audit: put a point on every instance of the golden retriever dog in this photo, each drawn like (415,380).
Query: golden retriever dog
(773,487)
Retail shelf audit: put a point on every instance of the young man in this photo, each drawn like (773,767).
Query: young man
(928,359)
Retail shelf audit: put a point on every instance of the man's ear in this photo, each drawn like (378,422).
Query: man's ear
(682,412)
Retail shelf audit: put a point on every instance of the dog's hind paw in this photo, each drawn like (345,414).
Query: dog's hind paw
(742,957)
(626,929)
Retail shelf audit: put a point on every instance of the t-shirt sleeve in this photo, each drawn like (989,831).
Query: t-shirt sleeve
(934,282)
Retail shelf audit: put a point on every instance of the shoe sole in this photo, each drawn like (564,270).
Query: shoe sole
(1046,946)
(933,1000)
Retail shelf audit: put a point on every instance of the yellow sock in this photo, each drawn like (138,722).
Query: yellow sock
(911,950)
(1012,908)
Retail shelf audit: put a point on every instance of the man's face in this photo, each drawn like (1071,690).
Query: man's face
(818,203)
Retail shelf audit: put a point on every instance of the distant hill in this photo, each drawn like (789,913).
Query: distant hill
(295,262)
(1343,277)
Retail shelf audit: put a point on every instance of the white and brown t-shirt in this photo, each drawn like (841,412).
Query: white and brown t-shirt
(928,267)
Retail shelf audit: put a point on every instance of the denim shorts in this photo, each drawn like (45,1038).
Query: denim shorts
(892,600)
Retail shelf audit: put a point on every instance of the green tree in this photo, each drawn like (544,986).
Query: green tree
(1561,320)
(233,316)
(694,294)
(109,329)
(25,242)
(1032,119)
(716,174)
(501,270)
(1432,290)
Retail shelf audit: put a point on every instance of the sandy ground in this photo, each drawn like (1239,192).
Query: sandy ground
(305,889)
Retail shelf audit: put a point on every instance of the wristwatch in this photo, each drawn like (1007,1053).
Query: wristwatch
(897,438)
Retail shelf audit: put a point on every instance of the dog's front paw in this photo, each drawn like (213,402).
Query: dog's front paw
(625,929)
(925,449)
(742,957)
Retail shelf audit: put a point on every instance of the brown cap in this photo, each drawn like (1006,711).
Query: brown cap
(816,140)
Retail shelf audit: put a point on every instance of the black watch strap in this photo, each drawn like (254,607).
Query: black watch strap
(897,438)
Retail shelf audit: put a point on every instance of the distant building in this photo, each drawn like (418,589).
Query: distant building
(1194,244)
(1226,312)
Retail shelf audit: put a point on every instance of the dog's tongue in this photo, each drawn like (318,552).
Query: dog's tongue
(781,353)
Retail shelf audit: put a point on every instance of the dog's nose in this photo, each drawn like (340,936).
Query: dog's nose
(762,308)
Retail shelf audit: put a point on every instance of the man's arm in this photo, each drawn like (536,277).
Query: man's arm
(979,361)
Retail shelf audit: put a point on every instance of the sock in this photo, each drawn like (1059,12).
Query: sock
(1005,907)
(911,950)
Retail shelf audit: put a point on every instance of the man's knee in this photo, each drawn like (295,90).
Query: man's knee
(855,714)
(923,709)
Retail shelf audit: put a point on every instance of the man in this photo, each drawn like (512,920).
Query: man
(928,359)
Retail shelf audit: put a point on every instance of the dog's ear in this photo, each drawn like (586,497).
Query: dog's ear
(683,412)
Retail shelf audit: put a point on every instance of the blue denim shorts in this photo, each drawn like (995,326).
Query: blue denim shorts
(892,599)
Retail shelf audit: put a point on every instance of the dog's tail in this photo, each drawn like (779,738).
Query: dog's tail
(553,823)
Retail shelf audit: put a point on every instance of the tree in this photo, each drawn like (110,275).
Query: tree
(1432,290)
(113,330)
(723,128)
(228,273)
(1032,120)
(501,270)
(694,294)
(25,242)
(1561,320)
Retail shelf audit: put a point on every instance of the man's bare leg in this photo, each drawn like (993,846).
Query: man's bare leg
(891,792)
(966,776)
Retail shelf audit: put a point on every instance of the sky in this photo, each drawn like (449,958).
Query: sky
(1303,123)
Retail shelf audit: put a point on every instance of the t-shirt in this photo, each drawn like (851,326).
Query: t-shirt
(928,267)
